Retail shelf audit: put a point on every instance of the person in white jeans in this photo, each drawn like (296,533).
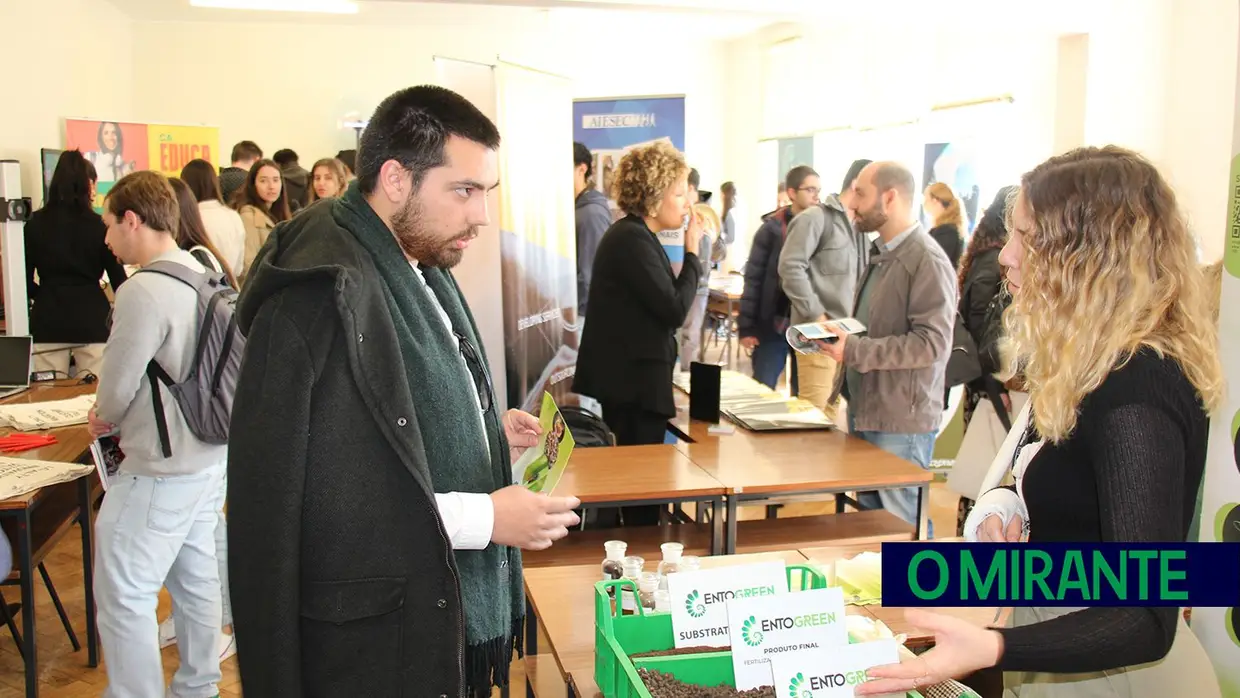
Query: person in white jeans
(158,532)
(227,644)
(157,525)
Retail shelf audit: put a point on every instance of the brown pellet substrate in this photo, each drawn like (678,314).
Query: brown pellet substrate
(663,685)
(678,651)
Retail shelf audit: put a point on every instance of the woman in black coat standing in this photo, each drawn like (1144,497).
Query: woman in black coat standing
(65,249)
(981,281)
(628,348)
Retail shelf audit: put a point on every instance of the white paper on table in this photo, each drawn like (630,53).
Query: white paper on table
(47,415)
(19,476)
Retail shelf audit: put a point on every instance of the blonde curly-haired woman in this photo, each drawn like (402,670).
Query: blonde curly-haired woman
(1111,325)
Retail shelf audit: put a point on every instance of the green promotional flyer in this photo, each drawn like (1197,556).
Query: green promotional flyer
(541,467)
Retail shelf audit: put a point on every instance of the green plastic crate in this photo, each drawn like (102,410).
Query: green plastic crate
(619,636)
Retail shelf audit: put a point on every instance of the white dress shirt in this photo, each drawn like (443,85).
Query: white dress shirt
(468,517)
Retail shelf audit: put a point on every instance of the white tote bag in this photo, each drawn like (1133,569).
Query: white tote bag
(982,442)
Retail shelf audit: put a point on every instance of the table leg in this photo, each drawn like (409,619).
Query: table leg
(86,520)
(839,503)
(717,541)
(531,629)
(923,511)
(531,641)
(25,551)
(730,540)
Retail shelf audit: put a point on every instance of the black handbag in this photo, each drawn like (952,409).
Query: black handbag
(964,366)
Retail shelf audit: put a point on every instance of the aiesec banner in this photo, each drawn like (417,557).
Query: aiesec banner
(610,127)
(618,124)
(117,148)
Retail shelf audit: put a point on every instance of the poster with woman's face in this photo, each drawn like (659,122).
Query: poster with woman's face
(114,148)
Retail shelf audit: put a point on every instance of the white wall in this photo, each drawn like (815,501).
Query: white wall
(75,59)
(1201,107)
(288,85)
(1154,75)
(846,81)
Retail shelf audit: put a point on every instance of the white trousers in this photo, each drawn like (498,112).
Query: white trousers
(55,357)
(153,532)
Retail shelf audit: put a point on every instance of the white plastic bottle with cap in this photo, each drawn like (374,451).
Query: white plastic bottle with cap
(632,573)
(671,561)
(613,562)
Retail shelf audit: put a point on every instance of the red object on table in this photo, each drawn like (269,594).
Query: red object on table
(16,443)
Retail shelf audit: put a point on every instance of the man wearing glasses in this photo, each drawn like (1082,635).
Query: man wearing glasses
(765,310)
(821,263)
(375,533)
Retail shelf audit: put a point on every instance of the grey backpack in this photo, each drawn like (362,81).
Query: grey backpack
(205,397)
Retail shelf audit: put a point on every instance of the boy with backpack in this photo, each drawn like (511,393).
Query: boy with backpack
(156,526)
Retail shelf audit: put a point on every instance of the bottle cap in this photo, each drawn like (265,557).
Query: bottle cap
(649,583)
(615,549)
(672,551)
(633,566)
(690,563)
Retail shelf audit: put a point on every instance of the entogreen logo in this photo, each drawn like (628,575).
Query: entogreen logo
(795,690)
(692,605)
(750,633)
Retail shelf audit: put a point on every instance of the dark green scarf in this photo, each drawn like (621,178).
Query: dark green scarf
(455,442)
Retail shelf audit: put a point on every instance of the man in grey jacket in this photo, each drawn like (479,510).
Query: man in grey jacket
(893,377)
(819,267)
(593,215)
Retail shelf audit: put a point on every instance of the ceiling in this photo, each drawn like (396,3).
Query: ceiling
(700,19)
(729,18)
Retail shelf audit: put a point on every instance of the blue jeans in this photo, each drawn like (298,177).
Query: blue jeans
(153,532)
(915,448)
(769,359)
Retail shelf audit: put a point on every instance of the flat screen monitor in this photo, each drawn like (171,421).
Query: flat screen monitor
(49,158)
(15,360)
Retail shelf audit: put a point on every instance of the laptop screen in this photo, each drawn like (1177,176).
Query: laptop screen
(15,361)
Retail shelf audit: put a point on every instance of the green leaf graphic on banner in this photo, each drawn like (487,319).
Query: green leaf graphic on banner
(1232,619)
(1235,440)
(1231,249)
(1227,524)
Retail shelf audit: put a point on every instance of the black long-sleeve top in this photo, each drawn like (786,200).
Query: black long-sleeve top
(1128,473)
(66,249)
(628,347)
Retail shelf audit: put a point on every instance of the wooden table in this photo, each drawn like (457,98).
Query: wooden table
(561,599)
(41,519)
(758,467)
(634,475)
